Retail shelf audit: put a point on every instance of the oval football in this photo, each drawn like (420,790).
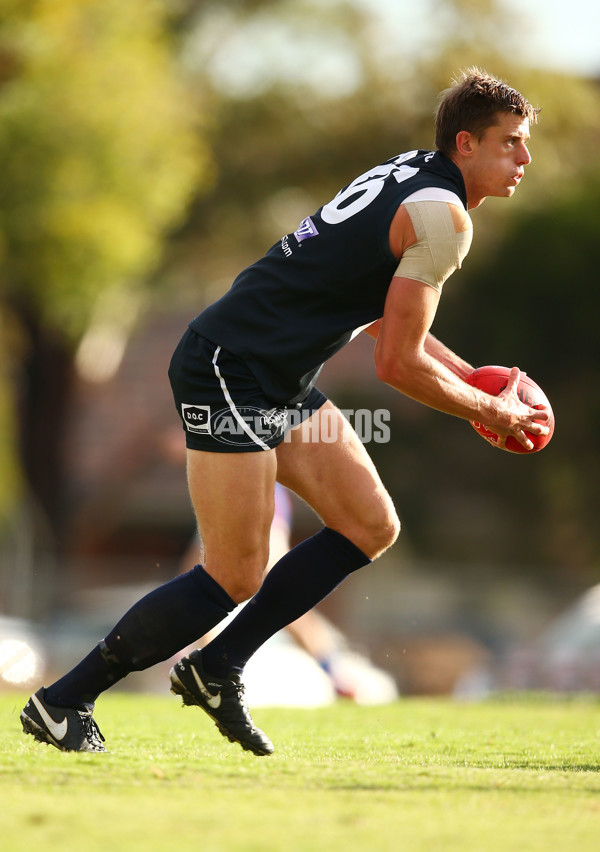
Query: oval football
(493,379)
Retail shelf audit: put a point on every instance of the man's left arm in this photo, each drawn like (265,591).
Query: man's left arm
(415,230)
(447,357)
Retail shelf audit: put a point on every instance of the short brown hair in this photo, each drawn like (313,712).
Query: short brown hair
(472,103)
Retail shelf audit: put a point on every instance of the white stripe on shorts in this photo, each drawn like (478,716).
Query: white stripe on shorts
(231,404)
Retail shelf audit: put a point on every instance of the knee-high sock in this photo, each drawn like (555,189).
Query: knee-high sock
(156,627)
(301,578)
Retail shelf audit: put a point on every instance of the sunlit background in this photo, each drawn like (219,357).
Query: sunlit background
(149,151)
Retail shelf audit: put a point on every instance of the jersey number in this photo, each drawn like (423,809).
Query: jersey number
(362,191)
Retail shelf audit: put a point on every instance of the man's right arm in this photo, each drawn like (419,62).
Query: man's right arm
(436,349)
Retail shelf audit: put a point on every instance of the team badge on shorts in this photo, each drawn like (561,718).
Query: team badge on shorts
(249,425)
(196,418)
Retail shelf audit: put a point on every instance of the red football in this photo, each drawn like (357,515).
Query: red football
(493,380)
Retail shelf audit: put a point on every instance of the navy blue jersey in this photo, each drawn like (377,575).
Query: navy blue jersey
(286,314)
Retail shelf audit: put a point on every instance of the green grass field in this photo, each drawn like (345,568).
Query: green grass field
(506,774)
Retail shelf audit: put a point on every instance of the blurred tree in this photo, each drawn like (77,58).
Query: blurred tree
(101,148)
(10,489)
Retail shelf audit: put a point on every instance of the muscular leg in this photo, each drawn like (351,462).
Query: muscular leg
(232,495)
(339,480)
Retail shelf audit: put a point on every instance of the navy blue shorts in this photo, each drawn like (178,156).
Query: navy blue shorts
(221,405)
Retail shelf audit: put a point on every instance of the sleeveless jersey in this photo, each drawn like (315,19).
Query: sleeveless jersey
(286,314)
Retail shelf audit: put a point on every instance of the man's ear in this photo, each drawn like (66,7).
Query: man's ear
(464,143)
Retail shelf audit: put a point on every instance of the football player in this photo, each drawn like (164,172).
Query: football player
(374,258)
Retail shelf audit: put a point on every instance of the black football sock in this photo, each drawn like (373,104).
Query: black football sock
(295,584)
(156,627)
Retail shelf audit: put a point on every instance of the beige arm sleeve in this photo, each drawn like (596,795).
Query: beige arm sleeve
(444,232)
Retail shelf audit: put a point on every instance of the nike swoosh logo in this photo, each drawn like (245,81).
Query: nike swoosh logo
(57,729)
(213,701)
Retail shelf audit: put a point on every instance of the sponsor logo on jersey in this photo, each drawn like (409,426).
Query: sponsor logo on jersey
(306,229)
(196,418)
(285,246)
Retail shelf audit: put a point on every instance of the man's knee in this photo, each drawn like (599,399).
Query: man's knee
(242,589)
(386,533)
(378,531)
(242,581)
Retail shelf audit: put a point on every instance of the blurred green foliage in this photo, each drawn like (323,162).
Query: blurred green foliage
(98,149)
(100,154)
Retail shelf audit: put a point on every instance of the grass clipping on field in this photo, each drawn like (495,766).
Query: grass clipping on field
(415,775)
